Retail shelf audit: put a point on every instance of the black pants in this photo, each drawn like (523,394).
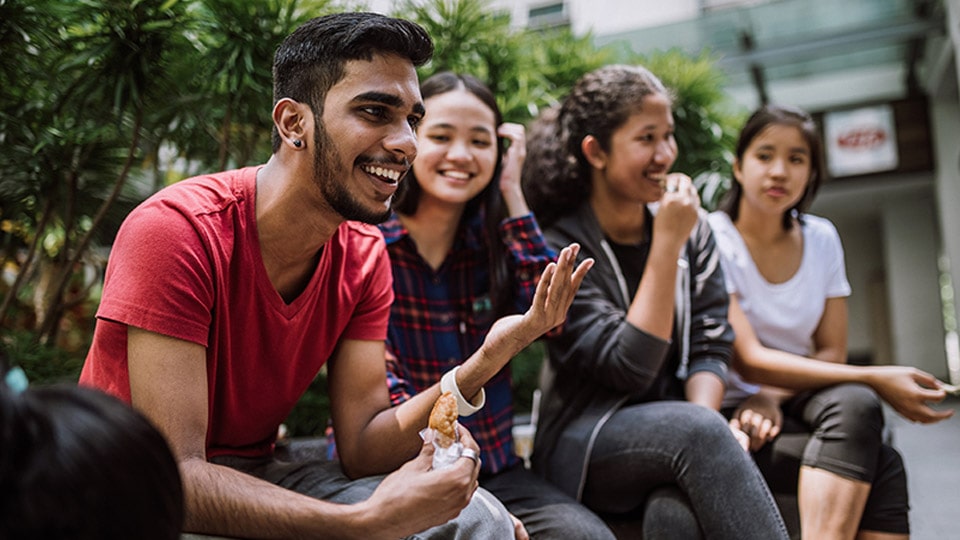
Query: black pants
(546,512)
(840,429)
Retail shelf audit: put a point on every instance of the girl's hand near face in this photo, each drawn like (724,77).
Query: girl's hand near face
(678,211)
(512,165)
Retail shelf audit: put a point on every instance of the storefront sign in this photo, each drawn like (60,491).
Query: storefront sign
(861,141)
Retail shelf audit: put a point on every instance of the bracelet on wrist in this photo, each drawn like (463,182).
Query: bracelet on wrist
(448,383)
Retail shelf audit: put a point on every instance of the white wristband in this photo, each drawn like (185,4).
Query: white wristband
(448,383)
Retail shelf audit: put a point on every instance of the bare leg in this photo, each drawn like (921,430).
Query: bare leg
(831,505)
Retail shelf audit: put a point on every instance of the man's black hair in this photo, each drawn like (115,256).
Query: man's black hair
(312,59)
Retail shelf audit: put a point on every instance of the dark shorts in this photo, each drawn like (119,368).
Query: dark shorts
(840,429)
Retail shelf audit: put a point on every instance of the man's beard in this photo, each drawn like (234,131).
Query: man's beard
(328,174)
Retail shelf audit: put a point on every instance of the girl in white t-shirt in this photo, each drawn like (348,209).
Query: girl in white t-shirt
(815,422)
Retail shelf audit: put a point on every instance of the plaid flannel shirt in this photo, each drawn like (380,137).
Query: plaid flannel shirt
(439,318)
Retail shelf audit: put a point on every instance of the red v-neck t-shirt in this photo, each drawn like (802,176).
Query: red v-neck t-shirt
(187,264)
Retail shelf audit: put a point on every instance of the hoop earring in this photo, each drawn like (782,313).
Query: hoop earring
(298,143)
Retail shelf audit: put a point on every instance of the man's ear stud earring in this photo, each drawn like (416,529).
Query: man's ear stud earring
(298,143)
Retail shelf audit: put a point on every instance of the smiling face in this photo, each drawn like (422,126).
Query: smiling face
(774,170)
(640,154)
(365,140)
(457,143)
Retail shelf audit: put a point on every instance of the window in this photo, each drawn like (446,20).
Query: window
(548,15)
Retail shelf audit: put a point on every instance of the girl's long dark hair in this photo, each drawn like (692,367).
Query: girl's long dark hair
(784,116)
(488,203)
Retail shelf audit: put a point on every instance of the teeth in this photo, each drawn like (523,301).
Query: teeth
(459,175)
(380,171)
(659,177)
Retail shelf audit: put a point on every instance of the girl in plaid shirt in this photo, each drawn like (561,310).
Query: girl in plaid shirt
(466,254)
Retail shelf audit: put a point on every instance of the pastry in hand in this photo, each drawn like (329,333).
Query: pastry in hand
(443,419)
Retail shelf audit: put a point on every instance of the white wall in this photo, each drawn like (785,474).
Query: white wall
(867,305)
(911,243)
(613,16)
(599,16)
(379,6)
(874,217)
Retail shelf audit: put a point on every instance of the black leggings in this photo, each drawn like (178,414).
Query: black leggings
(840,429)
(675,466)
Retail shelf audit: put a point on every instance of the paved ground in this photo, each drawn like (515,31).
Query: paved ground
(932,456)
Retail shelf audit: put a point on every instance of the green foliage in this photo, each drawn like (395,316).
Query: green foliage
(71,121)
(116,53)
(42,364)
(467,37)
(224,100)
(553,61)
(310,416)
(109,101)
(526,70)
(525,370)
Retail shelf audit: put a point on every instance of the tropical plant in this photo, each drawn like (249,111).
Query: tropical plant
(526,70)
(108,101)
(221,112)
(73,121)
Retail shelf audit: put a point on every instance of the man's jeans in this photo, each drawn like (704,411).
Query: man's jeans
(483,518)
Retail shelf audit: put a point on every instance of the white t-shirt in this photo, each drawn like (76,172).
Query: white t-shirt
(783,315)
